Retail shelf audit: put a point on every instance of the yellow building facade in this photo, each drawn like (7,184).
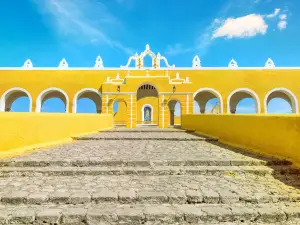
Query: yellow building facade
(149,95)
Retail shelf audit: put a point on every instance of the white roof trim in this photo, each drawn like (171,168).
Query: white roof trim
(142,69)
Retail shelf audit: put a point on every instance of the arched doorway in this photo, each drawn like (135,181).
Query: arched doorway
(243,101)
(87,100)
(281,101)
(120,112)
(52,100)
(16,100)
(206,100)
(147,105)
(175,112)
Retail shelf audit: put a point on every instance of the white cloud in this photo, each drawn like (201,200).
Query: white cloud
(282,24)
(276,12)
(246,26)
(83,20)
(283,17)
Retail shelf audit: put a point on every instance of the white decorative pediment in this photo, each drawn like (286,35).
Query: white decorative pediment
(99,63)
(269,63)
(28,64)
(63,64)
(233,64)
(177,79)
(116,80)
(139,59)
(196,62)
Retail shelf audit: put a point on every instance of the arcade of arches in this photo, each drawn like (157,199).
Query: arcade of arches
(150,96)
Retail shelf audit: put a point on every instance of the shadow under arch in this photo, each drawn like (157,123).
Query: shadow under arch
(207,94)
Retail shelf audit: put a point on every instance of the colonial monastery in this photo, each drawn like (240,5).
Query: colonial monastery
(149,95)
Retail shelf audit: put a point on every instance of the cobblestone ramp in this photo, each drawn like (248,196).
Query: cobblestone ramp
(147,176)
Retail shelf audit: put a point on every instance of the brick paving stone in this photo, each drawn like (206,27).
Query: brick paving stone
(147,182)
(49,216)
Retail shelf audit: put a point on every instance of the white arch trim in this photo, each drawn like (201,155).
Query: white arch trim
(149,83)
(45,92)
(144,106)
(79,93)
(4,96)
(248,91)
(214,92)
(291,95)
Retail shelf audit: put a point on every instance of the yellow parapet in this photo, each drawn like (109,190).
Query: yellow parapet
(275,135)
(21,132)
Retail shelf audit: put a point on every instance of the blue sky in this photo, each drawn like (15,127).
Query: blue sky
(250,31)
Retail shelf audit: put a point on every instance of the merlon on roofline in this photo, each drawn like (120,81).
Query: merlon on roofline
(156,59)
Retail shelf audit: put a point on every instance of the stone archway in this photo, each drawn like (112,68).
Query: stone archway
(147,99)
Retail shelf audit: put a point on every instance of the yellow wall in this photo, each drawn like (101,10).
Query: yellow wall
(27,129)
(120,117)
(276,135)
(177,120)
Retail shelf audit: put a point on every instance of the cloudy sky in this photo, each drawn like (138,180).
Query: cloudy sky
(250,31)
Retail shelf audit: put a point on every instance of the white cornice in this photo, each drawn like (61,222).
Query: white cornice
(153,69)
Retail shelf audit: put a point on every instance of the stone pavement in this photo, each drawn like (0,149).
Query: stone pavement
(147,176)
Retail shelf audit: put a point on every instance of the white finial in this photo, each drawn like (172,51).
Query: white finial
(196,62)
(177,76)
(63,63)
(187,79)
(108,79)
(269,63)
(147,73)
(167,73)
(118,76)
(158,56)
(28,64)
(233,64)
(147,47)
(99,63)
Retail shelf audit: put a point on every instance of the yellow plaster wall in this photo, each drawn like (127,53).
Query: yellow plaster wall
(276,135)
(31,129)
(177,120)
(121,116)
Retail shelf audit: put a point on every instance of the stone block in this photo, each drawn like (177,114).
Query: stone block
(194,196)
(79,197)
(38,198)
(228,197)
(74,216)
(177,197)
(49,216)
(59,197)
(104,195)
(15,197)
(210,196)
(127,196)
(217,213)
(22,216)
(164,214)
(192,214)
(128,215)
(152,197)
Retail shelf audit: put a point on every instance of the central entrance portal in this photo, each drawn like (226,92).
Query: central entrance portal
(147,104)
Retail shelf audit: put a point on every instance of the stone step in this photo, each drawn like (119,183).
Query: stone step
(143,138)
(146,130)
(143,171)
(169,136)
(94,161)
(147,196)
(177,214)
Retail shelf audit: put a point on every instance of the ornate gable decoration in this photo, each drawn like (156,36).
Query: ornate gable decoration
(99,63)
(28,64)
(269,64)
(196,62)
(178,80)
(116,80)
(139,59)
(63,64)
(233,64)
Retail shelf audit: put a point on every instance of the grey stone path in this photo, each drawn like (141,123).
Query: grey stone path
(147,176)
